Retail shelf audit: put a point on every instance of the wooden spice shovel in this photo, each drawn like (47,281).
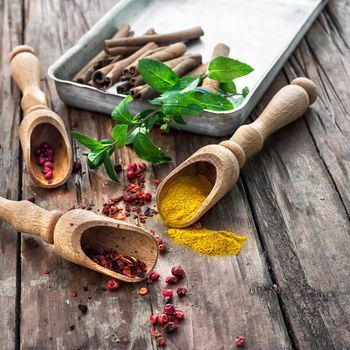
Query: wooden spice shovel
(78,228)
(221,163)
(40,124)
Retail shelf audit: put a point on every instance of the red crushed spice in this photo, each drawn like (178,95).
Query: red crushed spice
(45,158)
(112,285)
(134,197)
(110,259)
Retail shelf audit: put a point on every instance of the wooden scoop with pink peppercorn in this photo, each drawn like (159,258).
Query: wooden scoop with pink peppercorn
(47,151)
(76,229)
(221,163)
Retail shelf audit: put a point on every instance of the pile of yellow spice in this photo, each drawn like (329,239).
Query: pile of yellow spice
(179,203)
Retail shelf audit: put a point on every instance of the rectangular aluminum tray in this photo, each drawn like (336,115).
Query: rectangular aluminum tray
(262,33)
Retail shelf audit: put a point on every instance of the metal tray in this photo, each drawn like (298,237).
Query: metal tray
(262,33)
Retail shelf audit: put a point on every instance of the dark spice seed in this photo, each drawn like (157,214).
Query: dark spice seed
(83,308)
(72,327)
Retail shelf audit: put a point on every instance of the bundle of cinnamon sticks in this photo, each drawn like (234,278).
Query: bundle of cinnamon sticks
(117,64)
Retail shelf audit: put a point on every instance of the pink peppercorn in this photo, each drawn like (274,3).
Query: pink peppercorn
(112,285)
(240,341)
(161,341)
(153,319)
(163,319)
(162,249)
(171,280)
(179,315)
(178,272)
(168,309)
(154,276)
(170,327)
(167,293)
(181,291)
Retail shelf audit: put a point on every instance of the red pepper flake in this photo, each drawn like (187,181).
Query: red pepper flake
(240,341)
(112,285)
(46,272)
(143,291)
(110,259)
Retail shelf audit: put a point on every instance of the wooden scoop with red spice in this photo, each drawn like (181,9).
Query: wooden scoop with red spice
(115,248)
(41,128)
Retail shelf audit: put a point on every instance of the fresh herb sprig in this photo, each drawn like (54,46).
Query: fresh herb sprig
(179,97)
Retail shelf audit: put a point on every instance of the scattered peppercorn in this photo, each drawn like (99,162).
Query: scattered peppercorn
(161,341)
(163,319)
(162,249)
(86,289)
(240,341)
(112,285)
(178,272)
(83,308)
(72,327)
(110,259)
(168,309)
(181,291)
(170,327)
(154,276)
(171,280)
(143,291)
(153,319)
(118,168)
(167,293)
(179,315)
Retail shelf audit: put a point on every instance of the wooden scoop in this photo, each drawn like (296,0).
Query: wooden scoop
(221,163)
(40,124)
(76,228)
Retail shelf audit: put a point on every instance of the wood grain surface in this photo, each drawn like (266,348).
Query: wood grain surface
(289,287)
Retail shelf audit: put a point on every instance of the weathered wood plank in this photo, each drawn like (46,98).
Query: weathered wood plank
(305,232)
(324,56)
(10,36)
(230,295)
(48,313)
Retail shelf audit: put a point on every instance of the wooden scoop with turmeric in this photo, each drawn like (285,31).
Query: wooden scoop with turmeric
(195,186)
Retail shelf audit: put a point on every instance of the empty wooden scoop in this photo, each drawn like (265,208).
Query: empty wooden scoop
(40,125)
(78,228)
(221,163)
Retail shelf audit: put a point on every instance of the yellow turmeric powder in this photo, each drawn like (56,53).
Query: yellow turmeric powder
(182,199)
(207,241)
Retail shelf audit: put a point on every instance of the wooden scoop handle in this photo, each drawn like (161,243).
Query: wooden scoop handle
(289,103)
(25,216)
(25,70)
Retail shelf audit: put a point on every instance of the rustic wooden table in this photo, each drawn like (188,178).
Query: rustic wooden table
(289,287)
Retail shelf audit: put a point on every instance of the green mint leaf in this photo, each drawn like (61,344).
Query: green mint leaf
(225,69)
(109,167)
(86,140)
(121,112)
(165,127)
(229,88)
(131,135)
(179,120)
(147,150)
(96,158)
(245,91)
(181,104)
(210,100)
(158,75)
(119,134)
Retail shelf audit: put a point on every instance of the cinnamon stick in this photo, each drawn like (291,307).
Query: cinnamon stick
(124,88)
(219,50)
(115,73)
(160,39)
(144,92)
(202,69)
(138,80)
(167,53)
(85,74)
